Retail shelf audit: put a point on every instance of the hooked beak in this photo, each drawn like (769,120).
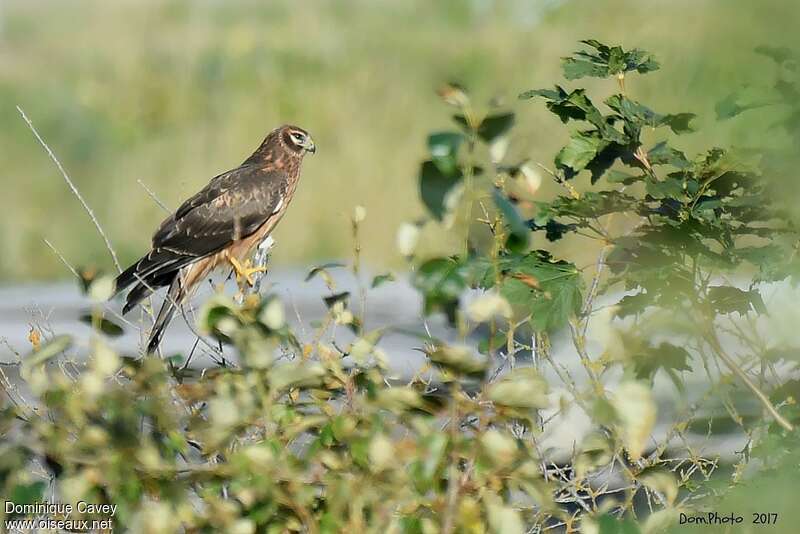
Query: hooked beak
(310,146)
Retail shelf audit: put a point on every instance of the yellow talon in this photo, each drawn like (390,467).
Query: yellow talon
(245,271)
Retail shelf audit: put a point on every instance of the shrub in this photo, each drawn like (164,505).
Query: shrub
(325,441)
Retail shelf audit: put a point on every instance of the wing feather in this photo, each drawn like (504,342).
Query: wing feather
(231,207)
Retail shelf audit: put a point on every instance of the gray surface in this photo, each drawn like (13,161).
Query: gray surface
(56,308)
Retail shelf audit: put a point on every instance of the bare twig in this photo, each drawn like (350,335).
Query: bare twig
(713,341)
(75,272)
(73,188)
(561,181)
(589,302)
(153,196)
(62,258)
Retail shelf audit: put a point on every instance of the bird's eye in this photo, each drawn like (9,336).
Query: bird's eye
(298,138)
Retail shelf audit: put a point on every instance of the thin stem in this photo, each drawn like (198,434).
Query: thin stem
(73,188)
(713,341)
(152,195)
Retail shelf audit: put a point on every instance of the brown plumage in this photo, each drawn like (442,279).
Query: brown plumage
(229,217)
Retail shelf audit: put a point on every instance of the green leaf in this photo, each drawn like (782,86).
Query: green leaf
(503,519)
(106,326)
(778,54)
(576,106)
(637,115)
(619,177)
(545,93)
(679,123)
(219,316)
(28,493)
(443,148)
(322,270)
(663,154)
(661,480)
(634,405)
(575,68)
(458,359)
(434,185)
(381,279)
(424,470)
(521,388)
(633,304)
(554,230)
(492,343)
(512,218)
(582,149)
(596,451)
(56,346)
(336,298)
(87,276)
(771,260)
(256,350)
(495,126)
(499,448)
(589,206)
(101,288)
(399,399)
(669,187)
(609,524)
(606,61)
(665,356)
(742,100)
(441,282)
(272,314)
(296,375)
(727,299)
(549,291)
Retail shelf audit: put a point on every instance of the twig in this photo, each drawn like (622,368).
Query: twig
(453,486)
(179,308)
(561,181)
(713,341)
(153,196)
(75,272)
(587,305)
(63,259)
(73,188)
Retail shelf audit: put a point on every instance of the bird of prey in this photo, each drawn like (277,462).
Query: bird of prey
(219,225)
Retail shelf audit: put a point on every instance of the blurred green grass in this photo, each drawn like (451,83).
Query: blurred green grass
(174,92)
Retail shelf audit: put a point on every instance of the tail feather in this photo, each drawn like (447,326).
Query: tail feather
(157,269)
(127,277)
(174,296)
(145,288)
(136,295)
(155,265)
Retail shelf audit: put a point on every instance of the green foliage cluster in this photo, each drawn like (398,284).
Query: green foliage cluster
(302,445)
(322,439)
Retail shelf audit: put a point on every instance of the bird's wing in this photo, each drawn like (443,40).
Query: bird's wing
(231,207)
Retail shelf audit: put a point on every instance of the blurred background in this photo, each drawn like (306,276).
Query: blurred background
(165,94)
(172,92)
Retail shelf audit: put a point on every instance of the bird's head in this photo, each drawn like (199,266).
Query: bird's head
(285,145)
(296,140)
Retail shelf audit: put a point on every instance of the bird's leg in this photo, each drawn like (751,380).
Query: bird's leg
(244,272)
